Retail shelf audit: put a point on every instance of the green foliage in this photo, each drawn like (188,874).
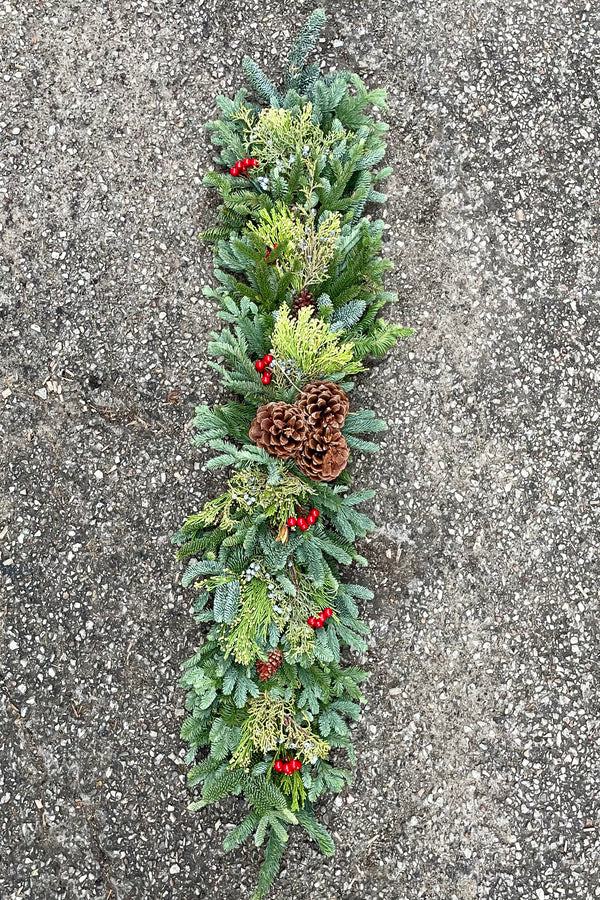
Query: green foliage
(250,493)
(306,818)
(299,53)
(305,247)
(278,137)
(232,420)
(311,345)
(258,81)
(279,227)
(250,630)
(270,867)
(297,221)
(272,727)
(242,832)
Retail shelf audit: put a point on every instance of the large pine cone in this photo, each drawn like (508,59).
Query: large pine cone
(302,299)
(279,428)
(325,407)
(322,459)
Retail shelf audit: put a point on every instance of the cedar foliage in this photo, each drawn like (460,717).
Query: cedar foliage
(265,685)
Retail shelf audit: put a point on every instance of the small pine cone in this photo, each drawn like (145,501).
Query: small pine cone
(302,299)
(267,669)
(279,428)
(324,406)
(322,459)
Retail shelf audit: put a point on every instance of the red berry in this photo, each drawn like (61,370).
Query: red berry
(327,612)
(302,524)
(315,513)
(247,162)
(310,519)
(253,162)
(260,365)
(312,621)
(268,359)
(320,621)
(288,768)
(297,764)
(266,379)
(278,765)
(291,522)
(233,171)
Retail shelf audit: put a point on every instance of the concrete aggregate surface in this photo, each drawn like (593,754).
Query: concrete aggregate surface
(478,771)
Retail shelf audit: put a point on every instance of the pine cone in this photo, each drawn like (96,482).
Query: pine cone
(268,668)
(302,299)
(322,459)
(279,428)
(325,407)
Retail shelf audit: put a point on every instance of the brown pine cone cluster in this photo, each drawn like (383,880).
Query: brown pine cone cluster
(324,406)
(308,431)
(301,299)
(268,668)
(279,428)
(321,459)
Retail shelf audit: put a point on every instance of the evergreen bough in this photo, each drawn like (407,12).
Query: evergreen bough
(295,223)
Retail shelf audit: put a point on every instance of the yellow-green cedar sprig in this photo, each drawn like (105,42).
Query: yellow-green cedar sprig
(271,726)
(311,345)
(250,491)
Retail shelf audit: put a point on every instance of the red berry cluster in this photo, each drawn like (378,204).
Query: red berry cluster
(302,522)
(288,767)
(261,366)
(319,621)
(242,165)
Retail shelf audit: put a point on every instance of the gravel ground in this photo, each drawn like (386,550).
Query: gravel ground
(478,767)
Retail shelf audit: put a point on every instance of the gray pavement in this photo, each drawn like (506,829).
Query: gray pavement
(478,771)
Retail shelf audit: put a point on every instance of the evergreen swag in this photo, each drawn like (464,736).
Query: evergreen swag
(269,695)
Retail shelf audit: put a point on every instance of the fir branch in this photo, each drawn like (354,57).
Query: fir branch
(258,81)
(306,818)
(270,867)
(304,44)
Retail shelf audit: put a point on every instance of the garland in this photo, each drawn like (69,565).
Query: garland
(300,290)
